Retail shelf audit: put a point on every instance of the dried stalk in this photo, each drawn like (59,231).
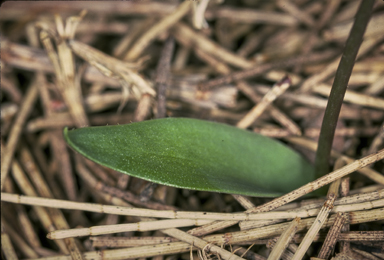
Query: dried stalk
(319,221)
(303,213)
(284,240)
(161,26)
(111,229)
(162,75)
(332,236)
(278,89)
(15,132)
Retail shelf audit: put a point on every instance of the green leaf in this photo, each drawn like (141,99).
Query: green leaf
(195,154)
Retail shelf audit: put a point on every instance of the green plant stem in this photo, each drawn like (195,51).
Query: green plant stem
(339,87)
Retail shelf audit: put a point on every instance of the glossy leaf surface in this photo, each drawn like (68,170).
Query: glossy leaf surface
(195,154)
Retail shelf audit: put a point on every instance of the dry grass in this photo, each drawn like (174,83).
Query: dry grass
(96,63)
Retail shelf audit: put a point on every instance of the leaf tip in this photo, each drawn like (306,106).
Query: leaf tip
(65,132)
(66,136)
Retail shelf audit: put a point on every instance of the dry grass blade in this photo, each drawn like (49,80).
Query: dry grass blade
(296,12)
(331,68)
(332,236)
(116,242)
(306,211)
(284,240)
(161,26)
(43,214)
(278,89)
(63,63)
(362,236)
(139,226)
(247,90)
(321,217)
(112,67)
(198,17)
(253,16)
(190,38)
(353,97)
(266,67)
(232,238)
(10,147)
(202,244)
(162,76)
(7,248)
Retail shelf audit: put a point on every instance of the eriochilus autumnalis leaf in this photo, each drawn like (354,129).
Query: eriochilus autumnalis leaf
(195,154)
